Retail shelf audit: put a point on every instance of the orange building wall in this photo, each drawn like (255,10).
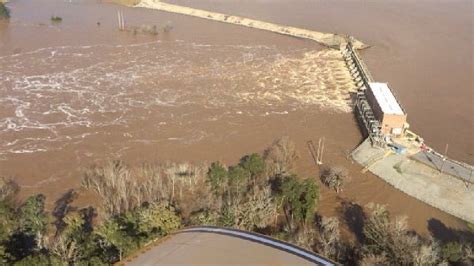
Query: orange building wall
(392,121)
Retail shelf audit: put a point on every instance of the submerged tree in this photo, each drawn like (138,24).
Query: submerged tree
(114,184)
(334,177)
(168,27)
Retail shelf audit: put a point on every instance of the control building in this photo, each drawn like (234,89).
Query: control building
(386,109)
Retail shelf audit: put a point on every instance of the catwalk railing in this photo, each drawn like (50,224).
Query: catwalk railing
(362,77)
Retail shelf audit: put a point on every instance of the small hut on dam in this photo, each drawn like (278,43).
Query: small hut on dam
(386,109)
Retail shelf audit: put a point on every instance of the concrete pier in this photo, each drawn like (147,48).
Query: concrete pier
(420,181)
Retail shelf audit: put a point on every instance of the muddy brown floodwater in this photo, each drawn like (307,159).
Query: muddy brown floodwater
(424,49)
(77,93)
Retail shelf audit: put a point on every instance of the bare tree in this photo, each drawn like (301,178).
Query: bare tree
(334,177)
(255,211)
(66,249)
(191,189)
(392,238)
(122,188)
(328,242)
(426,253)
(114,184)
(305,237)
(154,185)
(373,260)
(280,156)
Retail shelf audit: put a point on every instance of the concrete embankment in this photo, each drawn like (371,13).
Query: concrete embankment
(326,39)
(439,190)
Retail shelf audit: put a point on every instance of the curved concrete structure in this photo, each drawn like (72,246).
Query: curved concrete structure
(219,246)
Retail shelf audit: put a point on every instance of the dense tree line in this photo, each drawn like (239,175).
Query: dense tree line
(260,193)
(29,236)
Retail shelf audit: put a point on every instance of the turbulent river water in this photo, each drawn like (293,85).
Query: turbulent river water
(80,92)
(423,49)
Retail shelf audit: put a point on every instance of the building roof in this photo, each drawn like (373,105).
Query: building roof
(385,98)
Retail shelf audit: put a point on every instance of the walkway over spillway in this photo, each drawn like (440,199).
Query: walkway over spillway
(362,77)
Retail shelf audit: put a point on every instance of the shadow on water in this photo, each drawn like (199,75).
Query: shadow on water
(62,206)
(446,234)
(353,215)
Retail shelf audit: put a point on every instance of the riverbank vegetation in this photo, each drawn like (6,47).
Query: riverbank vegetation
(261,193)
(56,19)
(4,11)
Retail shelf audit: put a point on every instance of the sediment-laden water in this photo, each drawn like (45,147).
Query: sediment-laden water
(57,95)
(81,92)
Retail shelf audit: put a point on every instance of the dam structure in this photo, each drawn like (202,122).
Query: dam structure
(391,151)
(326,39)
(371,124)
(362,77)
(399,156)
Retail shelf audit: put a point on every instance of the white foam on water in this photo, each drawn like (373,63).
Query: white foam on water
(79,88)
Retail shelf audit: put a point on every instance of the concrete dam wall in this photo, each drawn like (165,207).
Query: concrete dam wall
(327,39)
